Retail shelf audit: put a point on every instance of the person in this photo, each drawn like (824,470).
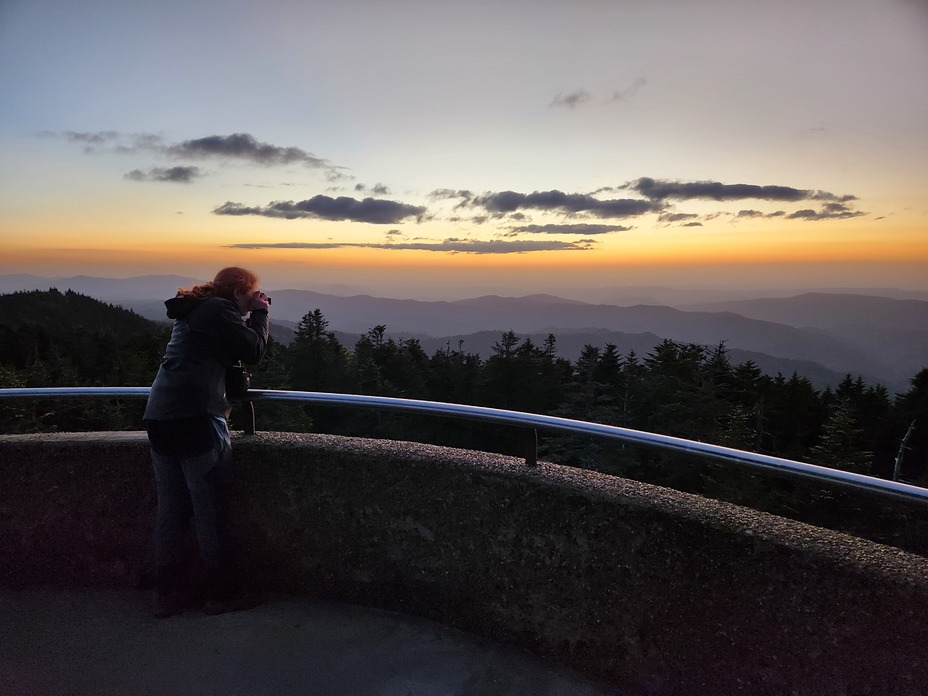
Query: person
(189,437)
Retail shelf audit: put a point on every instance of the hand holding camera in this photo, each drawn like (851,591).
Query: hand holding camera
(260,300)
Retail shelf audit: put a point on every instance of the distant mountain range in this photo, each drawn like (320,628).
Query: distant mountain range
(820,335)
(894,332)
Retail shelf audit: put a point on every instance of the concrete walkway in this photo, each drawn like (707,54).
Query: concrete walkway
(106,642)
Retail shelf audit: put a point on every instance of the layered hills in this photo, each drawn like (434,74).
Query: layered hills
(820,335)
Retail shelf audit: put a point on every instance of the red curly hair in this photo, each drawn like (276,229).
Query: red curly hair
(226,282)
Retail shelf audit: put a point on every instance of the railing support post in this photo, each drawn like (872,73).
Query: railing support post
(531,447)
(250,418)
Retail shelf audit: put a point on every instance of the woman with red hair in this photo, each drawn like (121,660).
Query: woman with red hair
(186,422)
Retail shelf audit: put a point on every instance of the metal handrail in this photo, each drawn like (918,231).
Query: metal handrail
(776,465)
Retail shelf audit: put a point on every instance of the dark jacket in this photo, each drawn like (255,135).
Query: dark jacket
(208,335)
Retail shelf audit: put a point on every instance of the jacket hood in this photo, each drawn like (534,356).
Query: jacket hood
(180,306)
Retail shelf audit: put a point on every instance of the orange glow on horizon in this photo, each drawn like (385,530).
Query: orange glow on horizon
(150,254)
(868,250)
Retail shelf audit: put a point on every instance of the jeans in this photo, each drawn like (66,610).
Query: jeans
(195,486)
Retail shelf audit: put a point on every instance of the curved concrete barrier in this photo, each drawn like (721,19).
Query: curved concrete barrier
(658,591)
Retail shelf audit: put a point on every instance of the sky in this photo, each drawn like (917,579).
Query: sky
(422,148)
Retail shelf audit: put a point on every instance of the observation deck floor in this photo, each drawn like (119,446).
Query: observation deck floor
(55,641)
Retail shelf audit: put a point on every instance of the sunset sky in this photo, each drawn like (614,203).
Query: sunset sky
(434,149)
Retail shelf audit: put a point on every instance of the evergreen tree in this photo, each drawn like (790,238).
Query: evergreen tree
(794,413)
(586,394)
(749,391)
(737,429)
(630,392)
(454,376)
(503,383)
(880,425)
(318,362)
(683,397)
(838,445)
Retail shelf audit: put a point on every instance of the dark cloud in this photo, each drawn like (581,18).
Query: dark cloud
(657,189)
(572,99)
(825,196)
(444,194)
(238,146)
(569,229)
(93,142)
(303,245)
(141,143)
(692,224)
(181,175)
(335,174)
(750,214)
(840,209)
(244,146)
(116,141)
(452,245)
(829,211)
(581,96)
(570,203)
(377,189)
(676,217)
(372,210)
(98,138)
(806,214)
(629,92)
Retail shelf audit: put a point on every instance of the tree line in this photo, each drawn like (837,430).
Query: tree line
(681,389)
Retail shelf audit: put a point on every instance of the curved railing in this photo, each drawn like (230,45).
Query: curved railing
(533,422)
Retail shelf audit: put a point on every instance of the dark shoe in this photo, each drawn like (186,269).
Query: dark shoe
(168,605)
(237,602)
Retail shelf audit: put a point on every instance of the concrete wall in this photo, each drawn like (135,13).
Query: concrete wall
(661,592)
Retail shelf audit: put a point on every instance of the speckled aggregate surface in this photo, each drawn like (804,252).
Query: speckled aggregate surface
(660,592)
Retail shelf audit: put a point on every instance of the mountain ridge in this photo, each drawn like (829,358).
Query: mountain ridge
(859,348)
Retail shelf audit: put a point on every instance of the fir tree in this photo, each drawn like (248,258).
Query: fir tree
(838,445)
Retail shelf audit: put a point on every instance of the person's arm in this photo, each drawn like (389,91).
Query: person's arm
(245,342)
(258,322)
